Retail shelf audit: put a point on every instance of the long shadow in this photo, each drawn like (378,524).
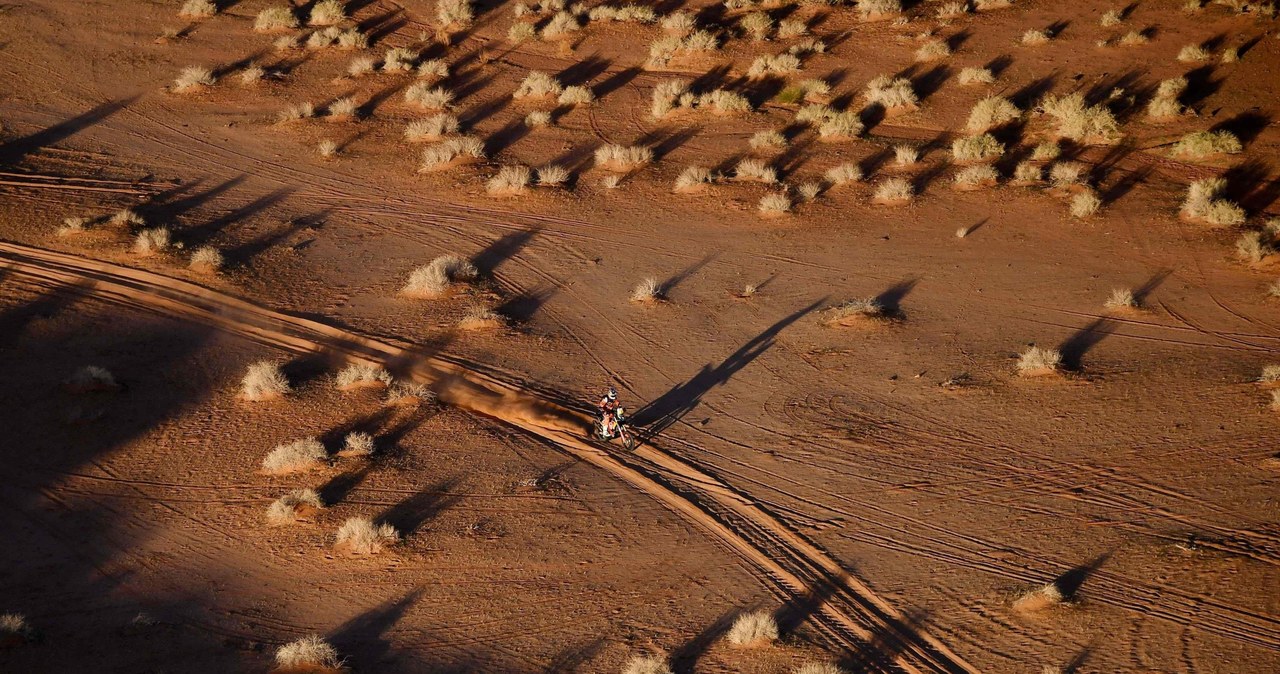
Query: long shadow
(570,659)
(502,249)
(881,652)
(1200,85)
(1074,348)
(683,275)
(50,303)
(204,232)
(664,142)
(930,81)
(670,407)
(521,308)
(616,81)
(1030,93)
(340,486)
(1251,184)
(480,113)
(410,514)
(1246,126)
(18,148)
(583,71)
(1141,292)
(244,253)
(798,610)
(164,208)
(891,298)
(364,636)
(507,136)
(1070,582)
(686,656)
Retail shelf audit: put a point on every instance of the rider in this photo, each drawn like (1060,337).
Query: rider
(608,403)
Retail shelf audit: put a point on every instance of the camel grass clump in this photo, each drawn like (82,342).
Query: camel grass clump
(767,138)
(521,32)
(977,176)
(1254,247)
(350,38)
(774,203)
(1085,204)
(427,96)
(755,170)
(976,76)
(151,240)
(252,75)
(433,70)
(193,78)
(841,126)
(295,457)
(857,311)
(621,157)
(1036,37)
(692,178)
(538,84)
(560,25)
(1134,38)
(552,175)
(647,664)
(753,629)
(297,112)
(773,64)
(455,13)
(1039,599)
(1121,299)
(757,25)
(287,43)
(1066,174)
(679,23)
(1166,105)
(906,155)
(327,13)
(327,149)
(432,280)
(1111,18)
(894,191)
(1200,144)
(274,19)
(871,10)
(445,153)
(1270,374)
(1081,122)
(299,504)
(263,381)
(1028,172)
(1039,361)
(73,226)
(357,443)
(127,217)
(724,102)
(362,375)
(1193,53)
(342,109)
(309,652)
(1203,203)
(984,5)
(1046,151)
(91,379)
(537,118)
(976,148)
(14,626)
(891,92)
(198,9)
(789,28)
(809,191)
(623,14)
(510,180)
(819,668)
(647,291)
(1230,55)
(935,50)
(842,174)
(576,95)
(399,60)
(432,128)
(952,10)
(667,96)
(992,112)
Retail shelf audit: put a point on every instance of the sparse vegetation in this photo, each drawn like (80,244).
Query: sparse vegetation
(894,190)
(819,668)
(521,32)
(263,381)
(844,173)
(976,148)
(552,175)
(198,9)
(1036,37)
(433,70)
(362,375)
(1063,175)
(753,629)
(510,180)
(976,176)
(399,60)
(434,279)
(693,178)
(432,128)
(1081,122)
(773,64)
(647,291)
(906,155)
(767,138)
(891,93)
(976,76)
(1085,204)
(454,149)
(622,157)
(724,102)
(297,504)
(1203,203)
(427,96)
(1039,599)
(992,112)
(193,78)
(357,443)
(1270,374)
(757,25)
(1165,105)
(1193,53)
(560,25)
(295,457)
(151,240)
(1111,18)
(538,84)
(576,95)
(275,18)
(755,170)
(455,13)
(1254,247)
(342,109)
(327,13)
(667,96)
(1047,151)
(1038,361)
(252,75)
(1027,172)
(91,379)
(647,664)
(1121,299)
(73,226)
(310,651)
(841,126)
(774,203)
(1200,144)
(856,311)
(935,50)
(16,625)
(878,9)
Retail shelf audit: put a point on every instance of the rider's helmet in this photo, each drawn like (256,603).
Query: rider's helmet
(613,393)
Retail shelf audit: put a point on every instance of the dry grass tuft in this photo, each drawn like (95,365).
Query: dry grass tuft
(773,64)
(614,156)
(1036,37)
(310,651)
(296,112)
(91,379)
(362,375)
(73,226)
(455,13)
(1200,144)
(757,25)
(263,381)
(128,217)
(193,78)
(692,178)
(480,317)
(359,535)
(1081,122)
(724,102)
(894,191)
(819,668)
(1121,299)
(753,629)
(667,96)
(521,32)
(647,291)
(843,125)
(552,175)
(1027,172)
(428,96)
(977,176)
(624,14)
(1193,53)
(1066,174)
(576,95)
(299,504)
(343,109)
(953,10)
(755,170)
(856,311)
(1203,203)
(252,75)
(1039,599)
(1254,247)
(1134,38)
(444,153)
(1047,151)
(198,9)
(327,13)
(433,70)
(432,128)
(433,279)
(1037,361)
(357,443)
(906,155)
(976,148)
(399,60)
(560,25)
(1270,374)
(16,626)
(1085,204)
(891,92)
(275,18)
(774,203)
(844,173)
(538,84)
(767,138)
(295,457)
(871,10)
(976,76)
(933,51)
(788,28)
(151,241)
(510,180)
(647,664)
(992,112)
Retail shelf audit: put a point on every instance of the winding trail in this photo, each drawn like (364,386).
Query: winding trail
(845,609)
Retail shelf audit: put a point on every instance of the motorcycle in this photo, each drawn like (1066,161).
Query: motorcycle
(620,430)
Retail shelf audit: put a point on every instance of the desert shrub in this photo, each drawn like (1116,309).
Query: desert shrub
(441,154)
(788,28)
(755,169)
(433,279)
(625,13)
(724,102)
(252,75)
(1230,55)
(1204,143)
(327,149)
(433,70)
(538,84)
(618,156)
(984,5)
(1171,88)
(286,509)
(1270,374)
(757,25)
(666,96)
(561,24)
(521,32)
(1066,174)
(537,118)
(891,92)
(680,23)
(853,311)
(198,9)
(287,42)
(646,664)
(1046,151)
(1037,360)
(357,443)
(648,290)
(1039,599)
(1027,172)
(362,374)
(819,668)
(326,37)
(976,76)
(953,9)
(972,176)
(126,216)
(1080,122)
(576,95)
(1036,37)
(814,114)
(809,191)
(1253,247)
(275,18)
(750,629)
(767,138)
(431,128)
(846,124)
(1203,203)
(773,64)
(311,651)
(1121,298)
(1164,108)
(933,51)
(91,378)
(1134,38)
(151,240)
(694,177)
(1193,53)
(700,40)
(327,13)
(844,173)
(807,46)
(192,78)
(294,113)
(894,189)
(1085,204)
(870,9)
(294,457)
(611,182)
(774,203)
(906,155)
(16,624)
(455,13)
(73,226)
(427,96)
(552,175)
(509,180)
(399,60)
(991,112)
(343,108)
(352,38)
(263,381)
(976,148)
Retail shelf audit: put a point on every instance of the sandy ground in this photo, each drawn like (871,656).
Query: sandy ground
(888,489)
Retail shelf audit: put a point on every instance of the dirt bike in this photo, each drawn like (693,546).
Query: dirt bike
(620,430)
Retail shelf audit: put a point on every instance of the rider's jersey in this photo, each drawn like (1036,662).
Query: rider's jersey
(606,406)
